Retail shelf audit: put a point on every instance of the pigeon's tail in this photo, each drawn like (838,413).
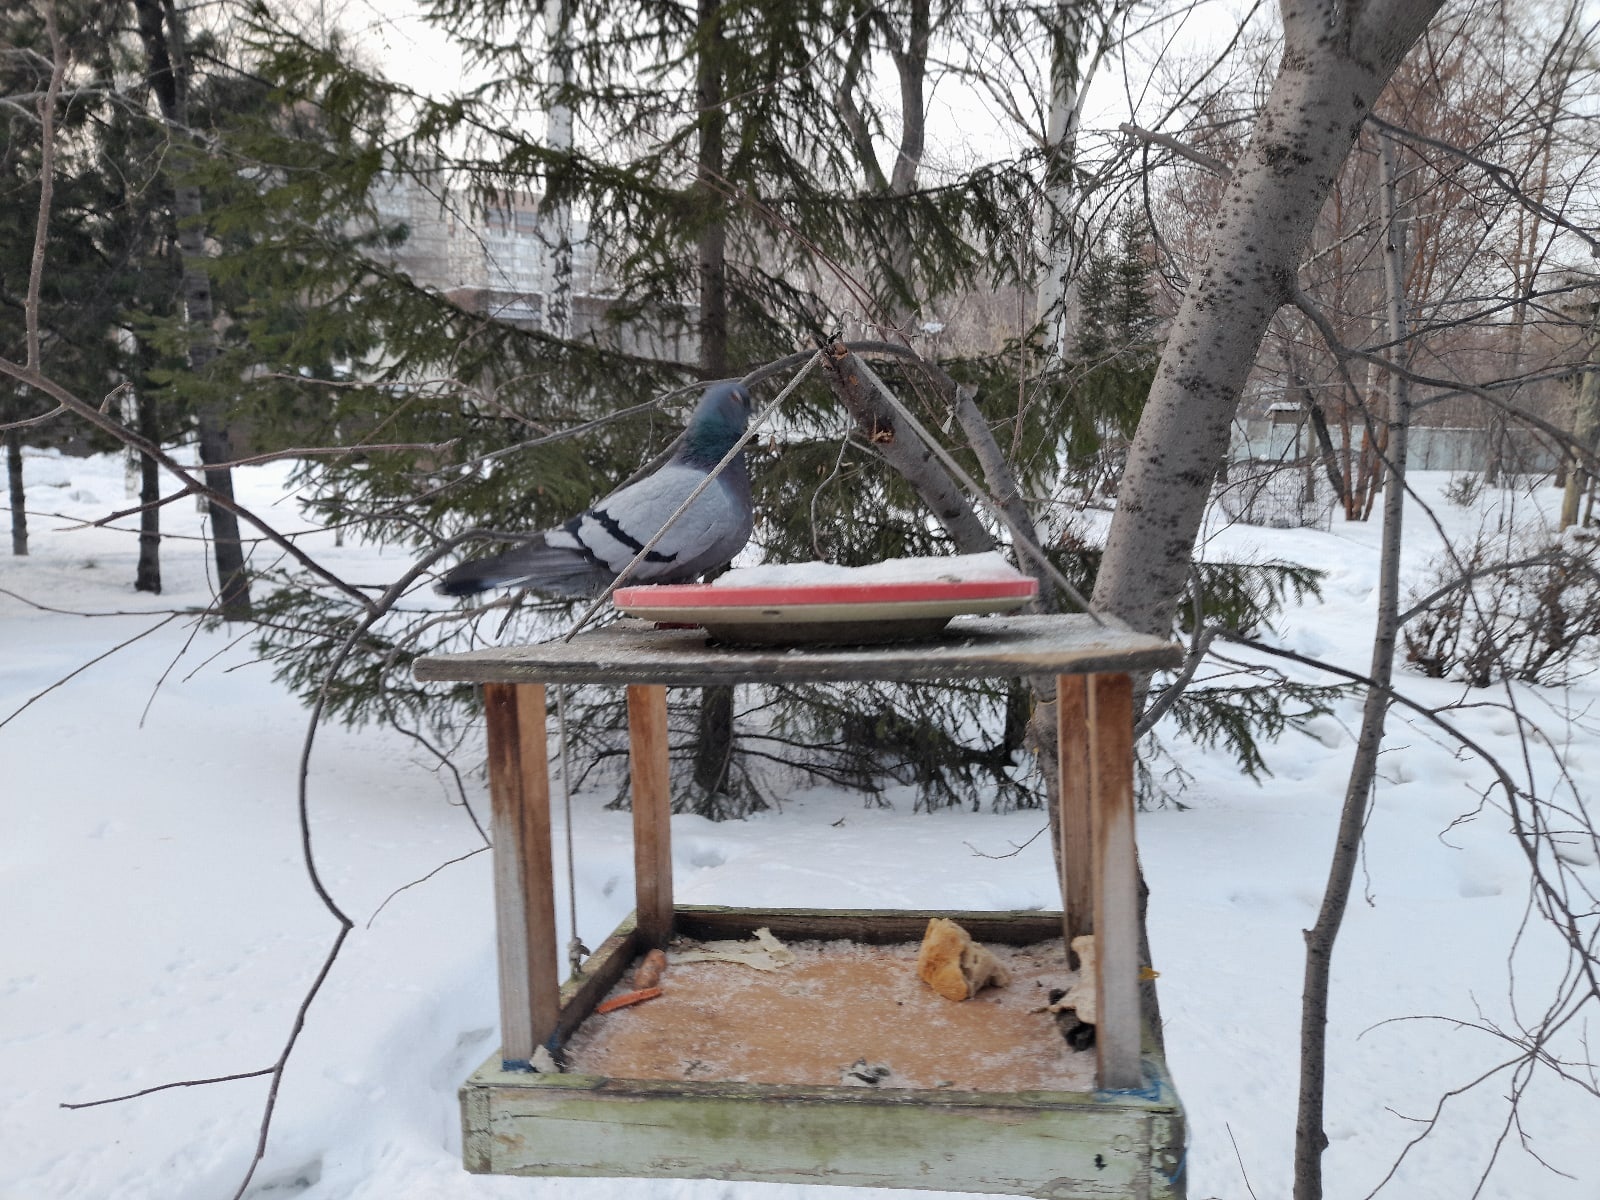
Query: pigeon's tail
(553,570)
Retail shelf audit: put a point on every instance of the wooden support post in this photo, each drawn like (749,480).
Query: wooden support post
(652,811)
(1076,831)
(524,891)
(1116,888)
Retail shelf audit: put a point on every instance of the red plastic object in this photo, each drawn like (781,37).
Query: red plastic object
(823,613)
(707,595)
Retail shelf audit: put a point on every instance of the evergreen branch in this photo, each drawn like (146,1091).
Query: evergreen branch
(34,378)
(256,460)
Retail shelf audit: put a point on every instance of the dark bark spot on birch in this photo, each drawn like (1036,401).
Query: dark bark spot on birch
(1285,160)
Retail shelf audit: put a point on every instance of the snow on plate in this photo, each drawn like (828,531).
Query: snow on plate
(988,567)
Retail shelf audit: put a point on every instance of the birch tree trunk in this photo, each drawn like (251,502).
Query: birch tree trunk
(1337,58)
(1057,299)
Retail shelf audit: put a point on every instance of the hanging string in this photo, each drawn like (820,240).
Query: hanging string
(576,950)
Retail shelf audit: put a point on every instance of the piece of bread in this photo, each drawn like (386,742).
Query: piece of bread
(954,965)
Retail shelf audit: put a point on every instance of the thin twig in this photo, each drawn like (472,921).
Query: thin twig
(165,1087)
(37,696)
(449,862)
(1015,849)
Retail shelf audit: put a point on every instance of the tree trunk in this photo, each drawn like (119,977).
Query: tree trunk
(713,752)
(911,68)
(1330,456)
(147,576)
(897,297)
(709,187)
(903,450)
(162,33)
(1337,59)
(19,498)
(1585,425)
(713,757)
(1310,1137)
(1057,287)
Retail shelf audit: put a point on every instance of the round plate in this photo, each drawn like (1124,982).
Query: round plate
(823,613)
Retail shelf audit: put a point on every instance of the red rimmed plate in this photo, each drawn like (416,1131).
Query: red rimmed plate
(826,613)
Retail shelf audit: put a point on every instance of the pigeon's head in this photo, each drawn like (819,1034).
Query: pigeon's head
(718,422)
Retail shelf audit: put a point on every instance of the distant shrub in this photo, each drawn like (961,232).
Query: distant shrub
(1463,490)
(1537,623)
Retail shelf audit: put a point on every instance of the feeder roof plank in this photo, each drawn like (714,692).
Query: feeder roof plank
(632,651)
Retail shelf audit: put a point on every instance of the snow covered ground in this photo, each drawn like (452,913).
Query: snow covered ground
(159,925)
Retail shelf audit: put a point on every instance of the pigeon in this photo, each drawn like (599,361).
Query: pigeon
(583,556)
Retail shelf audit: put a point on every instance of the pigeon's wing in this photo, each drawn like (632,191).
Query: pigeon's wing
(550,562)
(581,557)
(712,530)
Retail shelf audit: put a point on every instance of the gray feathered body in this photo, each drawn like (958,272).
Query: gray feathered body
(581,557)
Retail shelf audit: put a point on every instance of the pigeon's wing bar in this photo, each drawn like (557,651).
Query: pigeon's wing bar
(711,531)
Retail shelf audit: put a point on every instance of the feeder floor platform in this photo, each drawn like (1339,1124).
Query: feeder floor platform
(839,1004)
(736,1074)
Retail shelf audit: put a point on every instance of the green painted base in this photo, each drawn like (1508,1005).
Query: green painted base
(1061,1145)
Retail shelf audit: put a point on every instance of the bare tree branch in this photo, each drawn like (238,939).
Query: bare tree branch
(1501,176)
(1181,148)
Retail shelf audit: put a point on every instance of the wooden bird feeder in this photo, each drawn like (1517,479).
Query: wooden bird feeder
(1118,1135)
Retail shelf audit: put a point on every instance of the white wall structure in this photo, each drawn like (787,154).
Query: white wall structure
(501,250)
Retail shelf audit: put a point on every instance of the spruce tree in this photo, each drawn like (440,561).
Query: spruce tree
(104,265)
(724,234)
(715,206)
